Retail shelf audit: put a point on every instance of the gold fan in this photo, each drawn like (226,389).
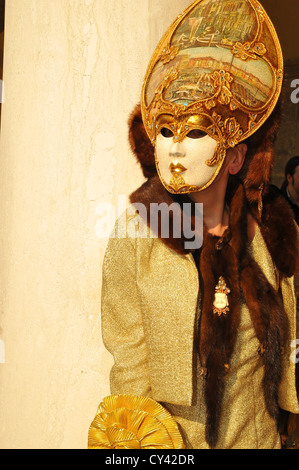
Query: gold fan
(133,422)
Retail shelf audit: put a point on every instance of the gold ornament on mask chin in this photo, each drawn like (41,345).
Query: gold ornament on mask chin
(177,182)
(225,69)
(178,185)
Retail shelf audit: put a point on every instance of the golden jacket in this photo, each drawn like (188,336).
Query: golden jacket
(150,309)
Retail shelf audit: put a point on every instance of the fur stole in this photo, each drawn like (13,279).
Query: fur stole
(229,257)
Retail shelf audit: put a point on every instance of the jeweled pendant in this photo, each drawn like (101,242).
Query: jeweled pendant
(221,304)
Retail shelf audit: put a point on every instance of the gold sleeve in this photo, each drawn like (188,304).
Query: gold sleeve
(122,327)
(287,393)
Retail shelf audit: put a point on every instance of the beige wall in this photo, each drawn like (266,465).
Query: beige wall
(72,72)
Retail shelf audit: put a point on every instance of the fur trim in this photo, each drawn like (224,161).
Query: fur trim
(271,327)
(280,232)
(141,144)
(153,192)
(218,334)
(277,224)
(257,170)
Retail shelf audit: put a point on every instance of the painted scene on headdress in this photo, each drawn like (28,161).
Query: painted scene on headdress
(214,23)
(217,36)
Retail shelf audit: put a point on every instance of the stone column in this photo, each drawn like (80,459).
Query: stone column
(72,72)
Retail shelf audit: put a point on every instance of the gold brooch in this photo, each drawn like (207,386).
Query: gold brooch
(221,304)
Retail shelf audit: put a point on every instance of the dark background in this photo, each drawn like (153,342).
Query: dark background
(285,16)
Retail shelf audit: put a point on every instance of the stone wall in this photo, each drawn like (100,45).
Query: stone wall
(73,71)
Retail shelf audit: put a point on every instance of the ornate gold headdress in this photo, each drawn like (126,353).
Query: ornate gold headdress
(219,67)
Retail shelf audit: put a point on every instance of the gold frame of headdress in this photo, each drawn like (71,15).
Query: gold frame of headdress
(166,52)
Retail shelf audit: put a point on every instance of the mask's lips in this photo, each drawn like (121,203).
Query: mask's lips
(177,168)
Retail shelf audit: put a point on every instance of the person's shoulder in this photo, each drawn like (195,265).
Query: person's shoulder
(131,224)
(283,191)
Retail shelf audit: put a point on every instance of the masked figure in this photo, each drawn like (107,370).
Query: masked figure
(208,331)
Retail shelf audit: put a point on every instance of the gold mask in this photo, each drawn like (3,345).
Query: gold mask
(218,68)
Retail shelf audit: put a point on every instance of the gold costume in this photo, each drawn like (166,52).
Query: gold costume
(209,333)
(150,303)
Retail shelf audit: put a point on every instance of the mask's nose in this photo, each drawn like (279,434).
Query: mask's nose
(177,150)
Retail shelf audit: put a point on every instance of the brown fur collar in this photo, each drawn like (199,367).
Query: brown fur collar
(277,224)
(218,334)
(140,143)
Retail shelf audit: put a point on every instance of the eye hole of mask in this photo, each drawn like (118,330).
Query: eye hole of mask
(166,132)
(196,134)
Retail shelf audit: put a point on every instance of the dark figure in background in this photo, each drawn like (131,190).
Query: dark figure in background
(290,187)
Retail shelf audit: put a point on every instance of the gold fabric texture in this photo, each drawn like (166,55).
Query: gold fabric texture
(133,422)
(150,310)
